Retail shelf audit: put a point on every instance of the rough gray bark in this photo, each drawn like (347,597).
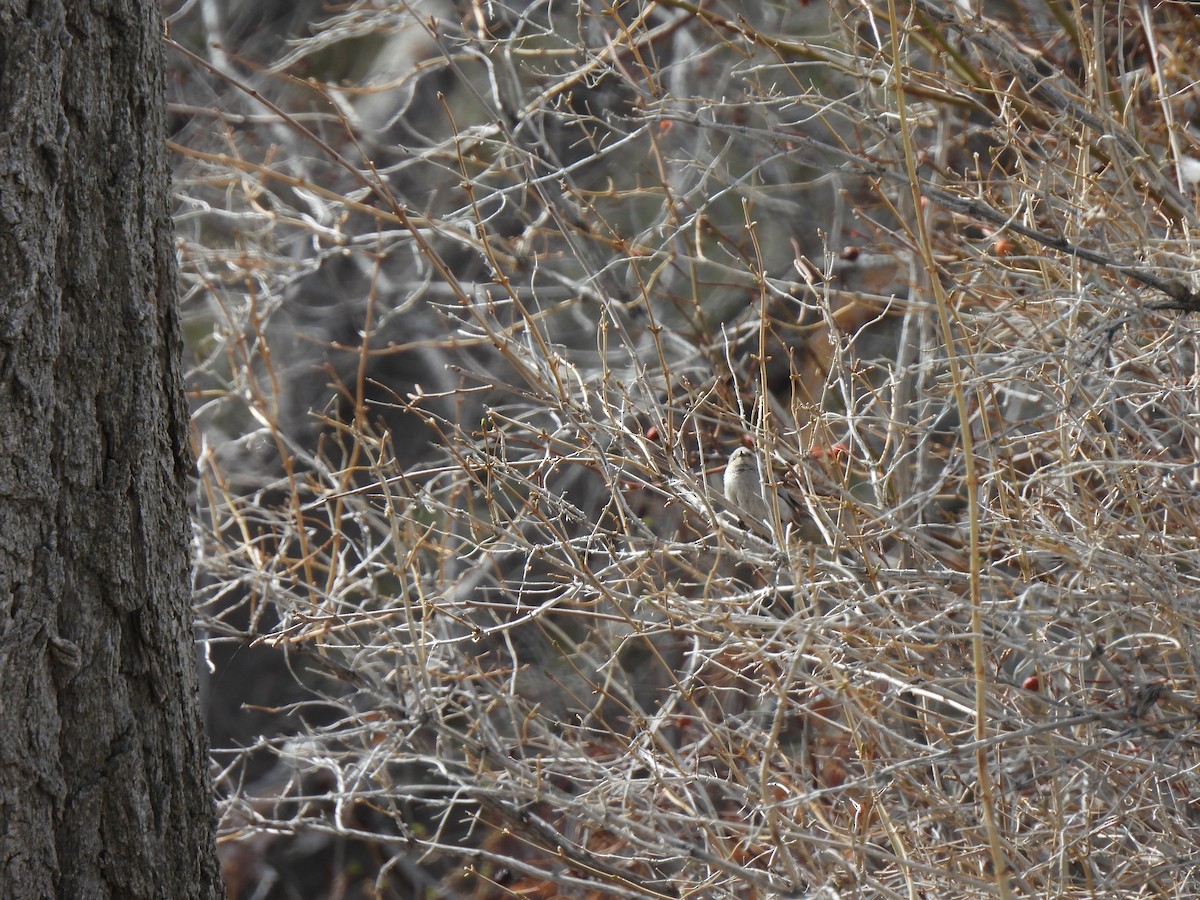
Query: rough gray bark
(104,786)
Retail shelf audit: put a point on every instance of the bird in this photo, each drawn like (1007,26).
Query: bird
(744,486)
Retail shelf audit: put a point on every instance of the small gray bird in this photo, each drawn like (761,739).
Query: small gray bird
(744,486)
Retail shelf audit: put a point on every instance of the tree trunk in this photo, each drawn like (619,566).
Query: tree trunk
(104,785)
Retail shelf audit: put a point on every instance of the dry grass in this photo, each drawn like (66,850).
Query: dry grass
(476,331)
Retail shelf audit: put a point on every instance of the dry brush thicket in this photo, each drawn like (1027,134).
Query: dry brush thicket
(481,296)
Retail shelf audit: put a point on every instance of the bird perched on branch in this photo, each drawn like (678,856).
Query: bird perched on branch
(744,487)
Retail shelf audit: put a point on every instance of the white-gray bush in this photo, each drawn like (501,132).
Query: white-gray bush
(483,295)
